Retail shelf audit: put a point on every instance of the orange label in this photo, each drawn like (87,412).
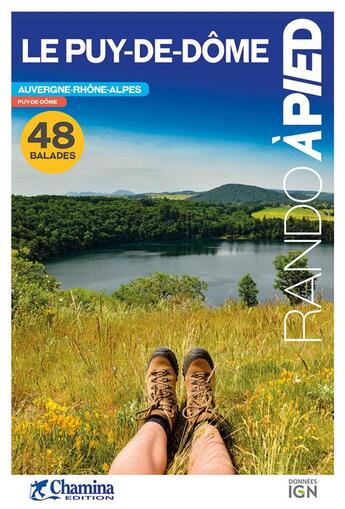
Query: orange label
(27,101)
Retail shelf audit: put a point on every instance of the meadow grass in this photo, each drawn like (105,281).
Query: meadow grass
(279,212)
(78,378)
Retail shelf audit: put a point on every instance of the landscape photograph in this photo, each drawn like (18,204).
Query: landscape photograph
(100,280)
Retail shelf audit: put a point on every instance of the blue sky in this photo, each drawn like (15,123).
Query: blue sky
(201,126)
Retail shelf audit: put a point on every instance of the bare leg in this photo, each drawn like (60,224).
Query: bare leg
(209,454)
(146,453)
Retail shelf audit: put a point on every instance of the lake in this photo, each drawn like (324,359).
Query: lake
(220,263)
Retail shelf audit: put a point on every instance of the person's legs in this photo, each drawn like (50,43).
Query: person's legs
(146,453)
(208,454)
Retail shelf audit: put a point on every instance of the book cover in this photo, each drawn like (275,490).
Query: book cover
(172,254)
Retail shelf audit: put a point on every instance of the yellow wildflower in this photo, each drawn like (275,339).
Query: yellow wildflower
(110,437)
(78,443)
(105,467)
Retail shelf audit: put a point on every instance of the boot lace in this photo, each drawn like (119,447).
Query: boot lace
(161,396)
(201,398)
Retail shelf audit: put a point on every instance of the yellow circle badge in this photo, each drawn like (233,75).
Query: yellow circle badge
(52,142)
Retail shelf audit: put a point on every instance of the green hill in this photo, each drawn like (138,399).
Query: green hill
(240,193)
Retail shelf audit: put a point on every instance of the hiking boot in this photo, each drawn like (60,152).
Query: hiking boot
(198,372)
(161,377)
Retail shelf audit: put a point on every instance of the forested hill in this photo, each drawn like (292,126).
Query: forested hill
(241,193)
(51,225)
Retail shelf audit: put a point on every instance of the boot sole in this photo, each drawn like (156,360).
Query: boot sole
(196,353)
(165,352)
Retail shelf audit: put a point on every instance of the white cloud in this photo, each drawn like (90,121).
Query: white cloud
(141,163)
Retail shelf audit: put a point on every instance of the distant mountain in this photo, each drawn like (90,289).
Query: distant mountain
(227,193)
(119,192)
(122,192)
(239,193)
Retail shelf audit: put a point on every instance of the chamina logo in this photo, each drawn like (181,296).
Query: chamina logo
(54,489)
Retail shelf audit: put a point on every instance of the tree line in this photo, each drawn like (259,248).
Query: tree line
(53,225)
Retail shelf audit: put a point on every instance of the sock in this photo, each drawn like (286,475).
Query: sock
(213,422)
(160,420)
